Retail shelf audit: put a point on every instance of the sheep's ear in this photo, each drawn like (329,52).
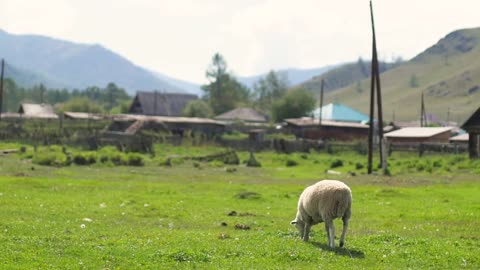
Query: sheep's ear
(293,221)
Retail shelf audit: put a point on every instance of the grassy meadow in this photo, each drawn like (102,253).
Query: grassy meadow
(207,215)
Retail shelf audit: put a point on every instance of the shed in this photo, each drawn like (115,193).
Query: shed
(460,139)
(341,113)
(131,123)
(309,128)
(160,104)
(248,115)
(420,135)
(472,126)
(30,110)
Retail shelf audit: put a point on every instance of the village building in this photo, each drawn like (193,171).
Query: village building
(340,113)
(472,126)
(308,128)
(43,111)
(246,115)
(461,139)
(160,104)
(413,135)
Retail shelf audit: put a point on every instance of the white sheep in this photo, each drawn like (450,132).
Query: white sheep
(323,202)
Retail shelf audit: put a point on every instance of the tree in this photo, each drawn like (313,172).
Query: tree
(268,89)
(224,92)
(197,108)
(81,104)
(296,103)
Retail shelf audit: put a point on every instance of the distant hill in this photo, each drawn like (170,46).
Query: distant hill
(59,63)
(344,75)
(447,72)
(294,76)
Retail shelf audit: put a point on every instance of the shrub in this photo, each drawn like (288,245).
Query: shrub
(359,166)
(291,163)
(135,159)
(85,158)
(336,163)
(49,159)
(119,159)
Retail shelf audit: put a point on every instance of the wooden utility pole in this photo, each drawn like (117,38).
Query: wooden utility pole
(423,114)
(375,82)
(321,103)
(1,89)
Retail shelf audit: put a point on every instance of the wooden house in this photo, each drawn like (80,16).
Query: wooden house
(160,104)
(472,126)
(309,128)
(414,135)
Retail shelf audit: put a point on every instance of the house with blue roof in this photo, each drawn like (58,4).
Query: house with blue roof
(341,113)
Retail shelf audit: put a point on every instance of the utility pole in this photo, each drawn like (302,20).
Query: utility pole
(321,103)
(375,82)
(1,89)
(423,113)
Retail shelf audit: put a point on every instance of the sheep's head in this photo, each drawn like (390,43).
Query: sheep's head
(300,226)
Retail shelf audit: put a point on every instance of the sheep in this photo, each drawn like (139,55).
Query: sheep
(323,202)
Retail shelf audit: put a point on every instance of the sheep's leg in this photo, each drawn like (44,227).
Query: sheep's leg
(330,228)
(306,231)
(345,219)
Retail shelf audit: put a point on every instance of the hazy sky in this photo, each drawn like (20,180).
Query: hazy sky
(179,37)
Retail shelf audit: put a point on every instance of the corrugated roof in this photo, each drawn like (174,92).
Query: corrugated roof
(460,138)
(31,110)
(162,104)
(308,121)
(417,132)
(340,112)
(243,114)
(165,119)
(83,115)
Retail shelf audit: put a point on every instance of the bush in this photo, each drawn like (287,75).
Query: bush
(135,159)
(50,159)
(119,159)
(336,163)
(85,158)
(291,163)
(359,166)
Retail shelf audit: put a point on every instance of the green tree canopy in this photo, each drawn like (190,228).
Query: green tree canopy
(269,89)
(81,104)
(224,92)
(198,108)
(296,103)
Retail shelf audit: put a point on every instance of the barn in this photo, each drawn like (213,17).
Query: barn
(160,104)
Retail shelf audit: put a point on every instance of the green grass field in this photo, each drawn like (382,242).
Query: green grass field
(159,217)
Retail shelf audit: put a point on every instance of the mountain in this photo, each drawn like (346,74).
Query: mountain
(190,87)
(294,76)
(345,75)
(58,63)
(448,73)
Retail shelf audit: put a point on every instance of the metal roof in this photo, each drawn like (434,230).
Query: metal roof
(417,132)
(164,119)
(340,112)
(308,121)
(460,138)
(244,114)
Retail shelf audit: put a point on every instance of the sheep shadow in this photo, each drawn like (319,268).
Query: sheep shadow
(353,253)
